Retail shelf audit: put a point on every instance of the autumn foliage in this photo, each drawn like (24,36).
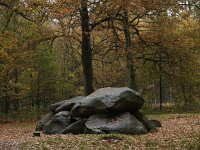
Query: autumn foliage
(54,50)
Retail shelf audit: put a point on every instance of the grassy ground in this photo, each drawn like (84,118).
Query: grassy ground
(179,131)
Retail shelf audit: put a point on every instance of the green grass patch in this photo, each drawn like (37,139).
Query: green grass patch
(170,109)
(21,115)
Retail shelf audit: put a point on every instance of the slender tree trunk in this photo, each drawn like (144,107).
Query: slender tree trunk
(184,95)
(31,95)
(161,90)
(37,102)
(16,99)
(86,50)
(160,83)
(170,94)
(130,65)
(183,86)
(6,104)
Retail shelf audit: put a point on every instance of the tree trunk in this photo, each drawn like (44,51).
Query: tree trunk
(161,89)
(160,82)
(37,101)
(16,99)
(86,50)
(130,65)
(184,95)
(6,100)
(6,104)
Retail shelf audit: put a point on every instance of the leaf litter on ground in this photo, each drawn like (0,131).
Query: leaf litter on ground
(179,131)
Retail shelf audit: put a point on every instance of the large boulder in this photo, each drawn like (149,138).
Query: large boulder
(148,124)
(107,110)
(108,100)
(68,104)
(56,105)
(44,122)
(58,123)
(65,105)
(124,123)
(75,128)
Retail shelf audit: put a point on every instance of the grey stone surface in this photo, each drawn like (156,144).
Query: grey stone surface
(36,133)
(75,128)
(44,121)
(108,100)
(142,118)
(124,123)
(107,110)
(56,105)
(58,123)
(68,104)
(156,123)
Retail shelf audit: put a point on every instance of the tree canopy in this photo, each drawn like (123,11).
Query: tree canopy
(57,49)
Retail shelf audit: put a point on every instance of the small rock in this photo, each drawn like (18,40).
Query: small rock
(156,123)
(36,133)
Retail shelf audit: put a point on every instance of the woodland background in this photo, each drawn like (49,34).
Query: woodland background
(51,50)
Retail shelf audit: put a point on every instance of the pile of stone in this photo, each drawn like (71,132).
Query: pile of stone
(107,110)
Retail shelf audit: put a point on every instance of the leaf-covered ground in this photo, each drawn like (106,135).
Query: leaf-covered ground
(179,131)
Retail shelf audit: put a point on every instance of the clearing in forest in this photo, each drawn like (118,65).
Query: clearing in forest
(179,131)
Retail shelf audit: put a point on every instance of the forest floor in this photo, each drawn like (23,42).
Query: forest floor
(178,131)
